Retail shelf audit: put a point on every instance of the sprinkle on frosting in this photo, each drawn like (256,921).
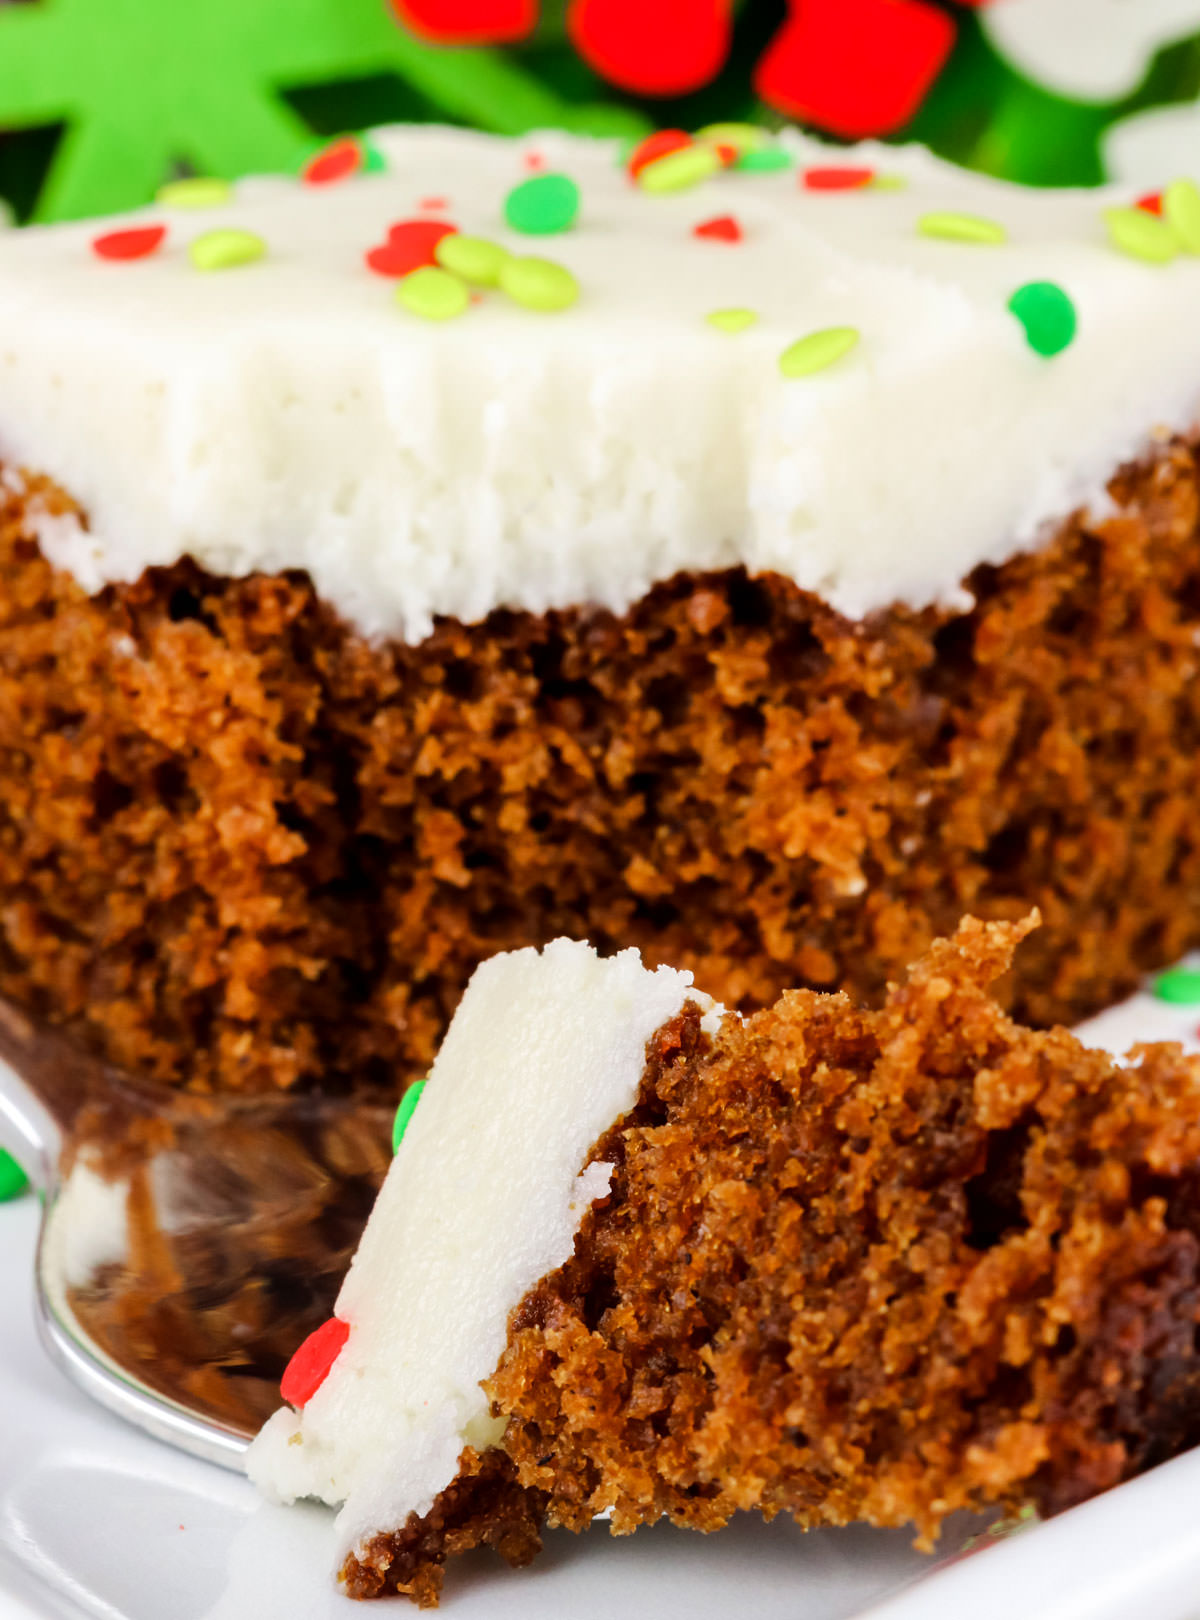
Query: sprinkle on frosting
(1047,314)
(680,170)
(538,284)
(406,1110)
(411,244)
(226,250)
(1139,235)
(742,137)
(1151,203)
(844,178)
(309,1367)
(337,161)
(653,147)
(764,160)
(954,227)
(1181,211)
(818,351)
(731,320)
(1180,985)
(138,243)
(721,228)
(433,294)
(198,192)
(543,206)
(473,258)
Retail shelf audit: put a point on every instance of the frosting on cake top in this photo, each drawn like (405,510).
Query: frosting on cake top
(876,424)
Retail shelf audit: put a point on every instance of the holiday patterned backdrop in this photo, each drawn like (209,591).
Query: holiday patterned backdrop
(102,100)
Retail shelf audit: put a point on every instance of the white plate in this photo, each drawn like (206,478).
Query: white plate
(97,1520)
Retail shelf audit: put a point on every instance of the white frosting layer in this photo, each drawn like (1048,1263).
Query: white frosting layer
(484,1198)
(288,414)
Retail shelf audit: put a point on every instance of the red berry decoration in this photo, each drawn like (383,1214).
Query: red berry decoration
(335,162)
(855,67)
(652,47)
(831,179)
(724,228)
(410,246)
(309,1367)
(467,22)
(138,243)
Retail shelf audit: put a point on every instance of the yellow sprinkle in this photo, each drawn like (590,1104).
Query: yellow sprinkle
(818,350)
(1135,232)
(950,227)
(679,170)
(226,250)
(1181,210)
(197,193)
(731,320)
(742,137)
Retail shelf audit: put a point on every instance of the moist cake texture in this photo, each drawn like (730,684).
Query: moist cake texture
(851,1265)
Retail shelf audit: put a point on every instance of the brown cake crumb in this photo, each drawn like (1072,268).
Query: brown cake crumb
(873,1266)
(243,849)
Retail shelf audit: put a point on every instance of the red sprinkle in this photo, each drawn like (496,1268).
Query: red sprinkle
(337,162)
(1151,203)
(138,243)
(724,228)
(309,1367)
(657,146)
(534,160)
(435,202)
(410,246)
(727,154)
(835,179)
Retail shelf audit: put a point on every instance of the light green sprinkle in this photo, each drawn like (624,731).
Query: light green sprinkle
(197,193)
(888,182)
(679,170)
(434,295)
(1047,314)
(763,160)
(1181,210)
(473,258)
(1135,232)
(538,284)
(818,350)
(731,320)
(950,227)
(13,1180)
(543,205)
(743,137)
(1180,985)
(405,1112)
(225,250)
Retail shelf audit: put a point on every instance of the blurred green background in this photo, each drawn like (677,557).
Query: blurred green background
(101,100)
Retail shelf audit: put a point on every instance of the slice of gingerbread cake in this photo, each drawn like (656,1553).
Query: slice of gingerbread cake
(640,1257)
(754,553)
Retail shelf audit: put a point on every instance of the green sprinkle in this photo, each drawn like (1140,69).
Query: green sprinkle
(731,320)
(1047,314)
(406,1110)
(198,193)
(374,161)
(13,1180)
(1140,235)
(473,258)
(679,170)
(1181,210)
(818,350)
(434,295)
(543,205)
(763,160)
(949,227)
(225,250)
(538,284)
(743,137)
(1180,985)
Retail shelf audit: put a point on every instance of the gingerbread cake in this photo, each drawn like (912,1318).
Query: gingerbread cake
(844,1264)
(754,553)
